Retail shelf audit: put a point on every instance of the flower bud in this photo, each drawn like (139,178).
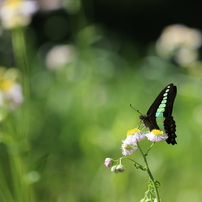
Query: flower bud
(108,162)
(120,168)
(113,169)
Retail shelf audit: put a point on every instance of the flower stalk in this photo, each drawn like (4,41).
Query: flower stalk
(20,52)
(151,178)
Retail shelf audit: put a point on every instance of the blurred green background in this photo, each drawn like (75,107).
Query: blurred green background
(88,61)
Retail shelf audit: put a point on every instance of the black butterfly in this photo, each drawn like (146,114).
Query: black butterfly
(159,115)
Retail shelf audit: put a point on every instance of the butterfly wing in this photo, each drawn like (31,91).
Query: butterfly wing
(159,115)
(169,123)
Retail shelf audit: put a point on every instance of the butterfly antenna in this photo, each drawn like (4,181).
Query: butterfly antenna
(135,109)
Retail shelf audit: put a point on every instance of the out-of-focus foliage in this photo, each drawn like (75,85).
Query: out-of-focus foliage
(77,111)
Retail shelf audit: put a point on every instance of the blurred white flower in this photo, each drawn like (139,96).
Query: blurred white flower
(180,42)
(60,55)
(17,13)
(50,4)
(186,56)
(14,95)
(10,93)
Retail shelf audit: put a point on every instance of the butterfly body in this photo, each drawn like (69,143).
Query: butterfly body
(159,115)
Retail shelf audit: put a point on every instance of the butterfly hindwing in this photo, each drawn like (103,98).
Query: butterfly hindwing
(170,128)
(159,115)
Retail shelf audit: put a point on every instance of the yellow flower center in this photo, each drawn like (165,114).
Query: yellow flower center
(5,85)
(157,132)
(131,132)
(13,3)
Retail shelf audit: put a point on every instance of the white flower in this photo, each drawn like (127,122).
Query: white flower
(128,149)
(130,143)
(14,95)
(17,13)
(134,136)
(180,42)
(186,56)
(156,135)
(176,36)
(60,55)
(10,93)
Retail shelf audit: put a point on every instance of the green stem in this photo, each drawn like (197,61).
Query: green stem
(23,190)
(149,172)
(136,163)
(20,52)
(149,149)
(19,45)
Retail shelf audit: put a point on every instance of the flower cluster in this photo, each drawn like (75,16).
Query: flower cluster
(135,135)
(115,165)
(17,13)
(130,145)
(10,93)
(59,56)
(179,42)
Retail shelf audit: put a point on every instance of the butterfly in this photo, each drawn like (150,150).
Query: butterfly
(159,115)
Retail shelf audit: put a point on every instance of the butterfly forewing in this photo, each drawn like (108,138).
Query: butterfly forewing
(170,100)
